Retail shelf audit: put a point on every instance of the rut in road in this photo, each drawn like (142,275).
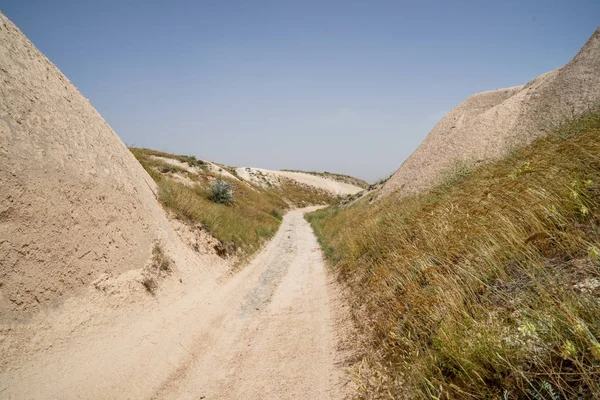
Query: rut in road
(270,331)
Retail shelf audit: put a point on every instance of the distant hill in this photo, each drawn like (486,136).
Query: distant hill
(185,184)
(336,177)
(333,183)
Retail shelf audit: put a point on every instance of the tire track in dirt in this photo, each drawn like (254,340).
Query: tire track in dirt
(271,331)
(278,339)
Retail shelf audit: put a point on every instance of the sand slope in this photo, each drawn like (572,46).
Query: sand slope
(212,167)
(267,177)
(486,125)
(74,202)
(78,220)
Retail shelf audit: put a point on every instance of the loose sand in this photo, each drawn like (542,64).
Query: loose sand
(269,332)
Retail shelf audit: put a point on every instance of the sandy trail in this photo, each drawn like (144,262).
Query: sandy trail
(268,332)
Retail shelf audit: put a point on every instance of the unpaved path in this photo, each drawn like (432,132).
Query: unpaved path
(266,333)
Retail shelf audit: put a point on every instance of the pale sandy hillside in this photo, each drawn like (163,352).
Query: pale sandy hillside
(487,125)
(104,296)
(212,167)
(75,205)
(267,177)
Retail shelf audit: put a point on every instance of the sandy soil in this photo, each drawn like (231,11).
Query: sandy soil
(74,203)
(267,177)
(487,125)
(268,332)
(212,167)
(78,220)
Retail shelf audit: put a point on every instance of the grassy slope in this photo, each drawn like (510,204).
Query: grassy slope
(244,226)
(486,286)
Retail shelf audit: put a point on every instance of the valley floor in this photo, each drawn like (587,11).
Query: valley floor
(269,332)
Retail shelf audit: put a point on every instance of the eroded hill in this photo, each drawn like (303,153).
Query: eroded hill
(184,189)
(75,203)
(488,125)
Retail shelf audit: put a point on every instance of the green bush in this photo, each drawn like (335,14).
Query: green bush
(221,192)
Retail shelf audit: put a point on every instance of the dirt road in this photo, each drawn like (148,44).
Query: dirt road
(268,332)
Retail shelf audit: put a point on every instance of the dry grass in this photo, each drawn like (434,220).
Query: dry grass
(159,267)
(242,227)
(486,287)
(190,160)
(160,262)
(245,224)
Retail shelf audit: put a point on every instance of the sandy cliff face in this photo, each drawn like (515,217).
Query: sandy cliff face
(74,202)
(486,125)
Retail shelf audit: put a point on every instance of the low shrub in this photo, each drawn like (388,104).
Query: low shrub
(221,192)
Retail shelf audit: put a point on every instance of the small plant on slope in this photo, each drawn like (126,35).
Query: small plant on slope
(159,265)
(160,261)
(221,192)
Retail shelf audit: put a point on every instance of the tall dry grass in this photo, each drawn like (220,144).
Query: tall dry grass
(487,286)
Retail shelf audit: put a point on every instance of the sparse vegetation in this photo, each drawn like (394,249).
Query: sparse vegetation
(485,287)
(192,161)
(160,261)
(241,226)
(275,213)
(231,170)
(158,267)
(245,224)
(150,284)
(301,195)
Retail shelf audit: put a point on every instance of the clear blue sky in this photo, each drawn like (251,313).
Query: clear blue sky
(345,86)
